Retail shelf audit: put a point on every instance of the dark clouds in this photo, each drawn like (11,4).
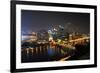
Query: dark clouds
(37,20)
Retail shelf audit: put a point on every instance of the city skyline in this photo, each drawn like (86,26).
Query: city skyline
(54,36)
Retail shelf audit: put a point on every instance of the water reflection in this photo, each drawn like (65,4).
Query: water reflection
(45,52)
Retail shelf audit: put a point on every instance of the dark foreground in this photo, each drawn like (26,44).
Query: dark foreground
(44,54)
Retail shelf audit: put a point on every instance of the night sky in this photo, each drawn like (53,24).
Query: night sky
(38,20)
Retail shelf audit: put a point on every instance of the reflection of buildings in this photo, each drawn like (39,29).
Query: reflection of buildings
(54,51)
(53,44)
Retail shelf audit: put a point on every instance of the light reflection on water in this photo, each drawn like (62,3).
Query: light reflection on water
(39,54)
(42,54)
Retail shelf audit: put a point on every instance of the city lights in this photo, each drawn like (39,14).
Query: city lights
(55,47)
(54,36)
